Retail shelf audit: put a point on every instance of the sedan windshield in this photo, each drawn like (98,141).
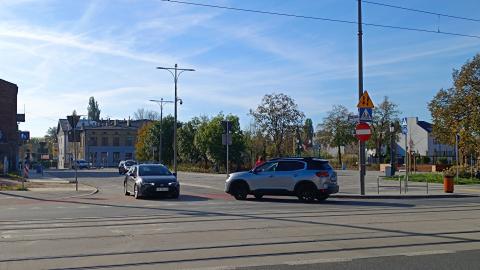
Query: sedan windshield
(153,170)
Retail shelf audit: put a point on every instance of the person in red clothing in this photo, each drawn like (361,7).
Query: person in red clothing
(259,161)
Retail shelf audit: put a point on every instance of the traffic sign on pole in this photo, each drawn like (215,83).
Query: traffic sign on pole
(365,101)
(365,114)
(404,126)
(363,132)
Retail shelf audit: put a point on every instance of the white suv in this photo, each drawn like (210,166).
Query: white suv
(306,178)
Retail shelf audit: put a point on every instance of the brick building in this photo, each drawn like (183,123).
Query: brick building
(8,124)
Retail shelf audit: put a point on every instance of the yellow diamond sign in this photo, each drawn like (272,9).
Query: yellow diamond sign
(365,101)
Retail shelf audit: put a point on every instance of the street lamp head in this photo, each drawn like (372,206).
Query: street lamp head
(180,100)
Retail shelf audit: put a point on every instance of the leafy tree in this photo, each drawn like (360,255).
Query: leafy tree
(277,115)
(337,129)
(142,114)
(457,110)
(143,146)
(209,140)
(383,115)
(51,139)
(187,149)
(93,110)
(307,134)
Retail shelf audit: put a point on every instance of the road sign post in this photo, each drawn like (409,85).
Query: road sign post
(363,132)
(407,160)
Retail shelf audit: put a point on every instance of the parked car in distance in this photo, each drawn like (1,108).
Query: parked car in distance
(146,180)
(306,178)
(80,164)
(125,165)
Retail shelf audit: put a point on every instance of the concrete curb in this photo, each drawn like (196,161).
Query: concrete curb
(400,197)
(95,191)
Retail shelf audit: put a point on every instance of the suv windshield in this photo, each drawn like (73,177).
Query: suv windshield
(153,170)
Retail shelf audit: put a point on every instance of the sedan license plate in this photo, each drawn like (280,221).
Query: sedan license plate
(162,188)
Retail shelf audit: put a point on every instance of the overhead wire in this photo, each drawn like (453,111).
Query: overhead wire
(320,18)
(421,11)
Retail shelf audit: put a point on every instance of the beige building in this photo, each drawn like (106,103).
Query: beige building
(102,143)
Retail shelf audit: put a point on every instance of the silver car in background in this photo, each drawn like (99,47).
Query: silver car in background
(306,178)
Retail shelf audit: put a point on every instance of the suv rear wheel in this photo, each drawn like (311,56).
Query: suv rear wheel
(307,192)
(239,190)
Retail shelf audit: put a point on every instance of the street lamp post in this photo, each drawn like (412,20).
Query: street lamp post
(160,103)
(175,73)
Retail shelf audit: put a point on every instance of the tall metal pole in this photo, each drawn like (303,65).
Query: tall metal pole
(160,146)
(361,149)
(175,75)
(456,151)
(75,155)
(175,125)
(161,131)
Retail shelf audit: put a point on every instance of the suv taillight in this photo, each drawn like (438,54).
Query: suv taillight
(322,174)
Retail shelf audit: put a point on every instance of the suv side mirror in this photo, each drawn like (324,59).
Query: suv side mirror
(174,174)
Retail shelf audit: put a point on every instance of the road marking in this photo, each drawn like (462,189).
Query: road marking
(83,207)
(11,208)
(35,208)
(319,261)
(427,252)
(202,186)
(60,207)
(117,231)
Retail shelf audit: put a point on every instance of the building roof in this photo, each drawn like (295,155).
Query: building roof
(64,125)
(425,125)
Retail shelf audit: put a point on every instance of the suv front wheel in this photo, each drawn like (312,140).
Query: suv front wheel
(239,190)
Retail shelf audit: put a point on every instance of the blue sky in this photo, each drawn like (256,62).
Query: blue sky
(60,53)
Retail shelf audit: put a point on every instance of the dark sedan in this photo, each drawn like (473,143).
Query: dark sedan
(146,180)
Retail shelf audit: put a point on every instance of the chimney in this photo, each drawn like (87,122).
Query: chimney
(128,122)
(115,122)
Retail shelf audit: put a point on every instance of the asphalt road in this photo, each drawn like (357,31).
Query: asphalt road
(207,229)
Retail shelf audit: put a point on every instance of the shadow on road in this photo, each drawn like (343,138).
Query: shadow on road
(335,202)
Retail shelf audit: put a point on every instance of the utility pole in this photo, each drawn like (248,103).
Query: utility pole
(160,147)
(361,149)
(175,71)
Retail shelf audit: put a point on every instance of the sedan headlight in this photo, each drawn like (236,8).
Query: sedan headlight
(173,184)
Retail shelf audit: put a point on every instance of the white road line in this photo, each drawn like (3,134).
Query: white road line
(202,186)
(60,207)
(427,252)
(83,207)
(331,260)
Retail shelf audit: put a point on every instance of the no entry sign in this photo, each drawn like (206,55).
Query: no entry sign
(363,132)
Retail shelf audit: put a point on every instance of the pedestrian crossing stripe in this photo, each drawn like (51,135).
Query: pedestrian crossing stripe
(365,101)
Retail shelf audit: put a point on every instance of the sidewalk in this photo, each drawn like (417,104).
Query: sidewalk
(350,188)
(46,187)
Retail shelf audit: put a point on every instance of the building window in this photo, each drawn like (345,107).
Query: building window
(104,141)
(129,141)
(92,141)
(128,155)
(116,141)
(116,157)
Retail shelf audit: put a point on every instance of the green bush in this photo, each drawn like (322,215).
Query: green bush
(442,161)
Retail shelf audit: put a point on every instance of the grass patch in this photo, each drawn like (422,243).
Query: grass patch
(436,178)
(12,188)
